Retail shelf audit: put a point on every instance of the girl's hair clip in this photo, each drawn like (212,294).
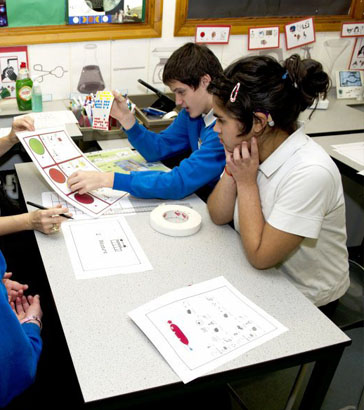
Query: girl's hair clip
(234,92)
(284,76)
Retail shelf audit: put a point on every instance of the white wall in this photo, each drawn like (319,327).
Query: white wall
(122,62)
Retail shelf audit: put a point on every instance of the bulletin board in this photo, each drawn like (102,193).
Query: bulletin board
(45,21)
(26,13)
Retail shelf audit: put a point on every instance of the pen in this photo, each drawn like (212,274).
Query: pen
(42,207)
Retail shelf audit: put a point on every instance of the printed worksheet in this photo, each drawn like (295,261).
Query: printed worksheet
(351,150)
(127,205)
(103,247)
(123,160)
(203,326)
(56,156)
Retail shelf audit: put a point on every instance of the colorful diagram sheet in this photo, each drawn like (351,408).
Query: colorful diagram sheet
(123,160)
(103,247)
(56,156)
(203,326)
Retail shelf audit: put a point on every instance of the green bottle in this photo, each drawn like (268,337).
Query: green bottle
(23,87)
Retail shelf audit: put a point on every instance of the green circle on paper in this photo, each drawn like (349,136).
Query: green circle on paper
(36,146)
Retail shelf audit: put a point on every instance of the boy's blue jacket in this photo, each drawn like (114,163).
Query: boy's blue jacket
(203,167)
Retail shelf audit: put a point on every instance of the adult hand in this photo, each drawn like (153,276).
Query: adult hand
(85,181)
(48,220)
(14,289)
(20,124)
(121,112)
(27,306)
(244,163)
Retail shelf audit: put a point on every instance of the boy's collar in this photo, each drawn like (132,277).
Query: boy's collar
(209,118)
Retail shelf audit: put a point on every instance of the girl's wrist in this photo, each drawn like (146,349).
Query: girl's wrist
(32,319)
(227,171)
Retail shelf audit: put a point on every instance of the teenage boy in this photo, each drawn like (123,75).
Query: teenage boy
(188,73)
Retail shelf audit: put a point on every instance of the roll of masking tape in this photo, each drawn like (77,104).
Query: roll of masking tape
(170,115)
(175,220)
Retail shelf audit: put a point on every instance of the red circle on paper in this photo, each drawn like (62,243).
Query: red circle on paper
(84,199)
(57,175)
(202,34)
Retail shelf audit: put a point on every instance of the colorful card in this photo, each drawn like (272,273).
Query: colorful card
(299,33)
(10,60)
(263,38)
(101,110)
(57,157)
(357,56)
(352,29)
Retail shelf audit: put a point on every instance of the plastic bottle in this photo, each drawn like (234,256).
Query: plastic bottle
(23,87)
(37,101)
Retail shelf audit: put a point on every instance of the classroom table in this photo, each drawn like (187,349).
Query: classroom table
(343,116)
(328,141)
(113,359)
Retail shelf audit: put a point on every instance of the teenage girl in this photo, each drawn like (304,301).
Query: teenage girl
(280,188)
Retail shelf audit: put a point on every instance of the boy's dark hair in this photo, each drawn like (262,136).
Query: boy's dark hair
(189,63)
(267,86)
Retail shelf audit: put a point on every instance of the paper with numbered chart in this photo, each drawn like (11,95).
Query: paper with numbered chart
(203,326)
(57,157)
(103,247)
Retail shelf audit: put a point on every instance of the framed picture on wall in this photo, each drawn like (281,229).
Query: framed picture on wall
(105,11)
(357,56)
(299,33)
(263,37)
(10,60)
(352,29)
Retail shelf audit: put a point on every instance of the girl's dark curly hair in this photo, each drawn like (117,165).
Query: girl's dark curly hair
(266,86)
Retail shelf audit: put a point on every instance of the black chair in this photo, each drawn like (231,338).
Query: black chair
(349,314)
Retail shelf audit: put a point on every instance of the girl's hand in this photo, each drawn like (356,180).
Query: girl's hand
(14,289)
(27,306)
(245,163)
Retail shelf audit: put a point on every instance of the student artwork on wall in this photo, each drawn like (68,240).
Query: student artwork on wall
(357,57)
(299,33)
(263,38)
(10,60)
(352,29)
(105,11)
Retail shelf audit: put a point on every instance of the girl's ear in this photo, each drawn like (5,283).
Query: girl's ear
(260,122)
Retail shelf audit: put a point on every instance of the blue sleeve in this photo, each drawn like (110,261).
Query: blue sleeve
(20,348)
(157,146)
(202,167)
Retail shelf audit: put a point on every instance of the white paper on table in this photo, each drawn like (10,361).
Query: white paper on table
(56,156)
(49,119)
(103,247)
(203,326)
(127,205)
(121,207)
(353,151)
